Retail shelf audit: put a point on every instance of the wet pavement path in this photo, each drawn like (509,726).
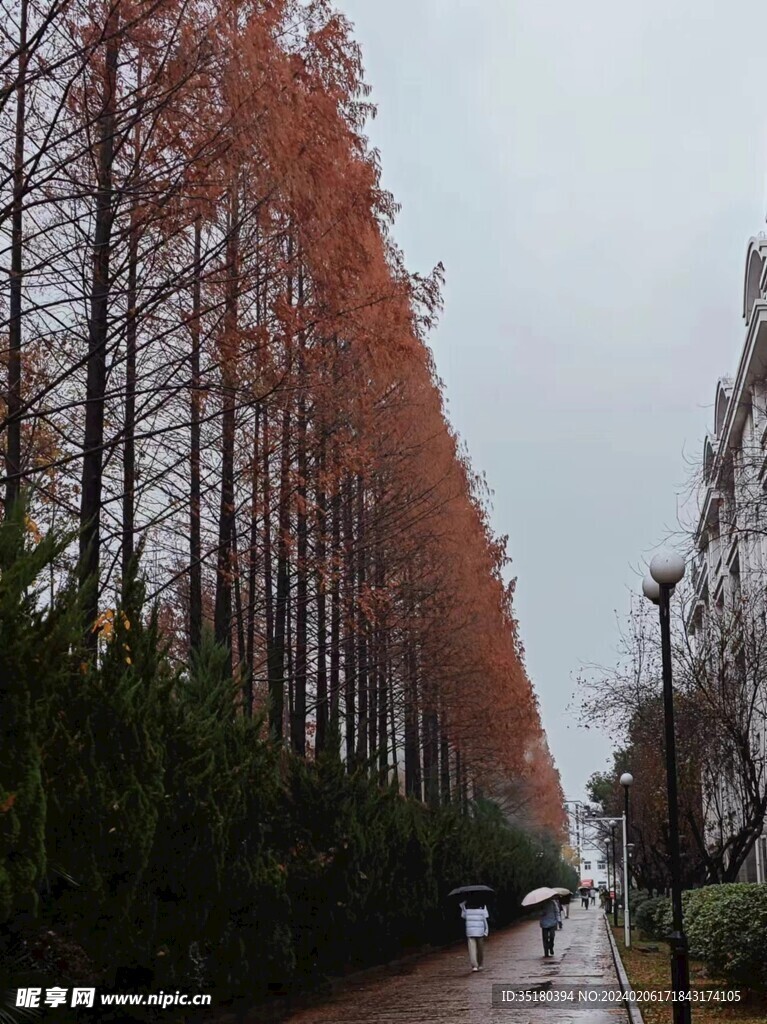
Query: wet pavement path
(442,989)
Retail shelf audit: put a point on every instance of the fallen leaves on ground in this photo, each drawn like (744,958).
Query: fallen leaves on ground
(648,966)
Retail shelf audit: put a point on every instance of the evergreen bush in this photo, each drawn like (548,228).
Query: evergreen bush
(148,822)
(651,916)
(726,927)
(35,659)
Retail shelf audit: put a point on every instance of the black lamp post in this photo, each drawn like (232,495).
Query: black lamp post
(615,879)
(666,570)
(627,781)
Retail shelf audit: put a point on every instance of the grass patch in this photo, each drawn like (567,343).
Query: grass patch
(648,966)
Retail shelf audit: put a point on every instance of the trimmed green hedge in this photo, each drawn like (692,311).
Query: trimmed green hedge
(726,927)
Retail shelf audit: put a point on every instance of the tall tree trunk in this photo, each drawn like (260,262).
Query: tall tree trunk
(239,617)
(381,666)
(271,663)
(277,660)
(228,350)
(129,449)
(195,489)
(362,625)
(412,741)
(463,781)
(350,668)
(13,399)
(431,758)
(250,651)
(289,663)
(393,725)
(444,766)
(98,325)
(250,654)
(298,720)
(322,676)
(335,618)
(131,330)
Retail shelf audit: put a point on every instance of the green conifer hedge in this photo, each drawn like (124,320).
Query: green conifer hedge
(144,819)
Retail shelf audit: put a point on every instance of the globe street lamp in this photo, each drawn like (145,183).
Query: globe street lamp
(627,780)
(666,570)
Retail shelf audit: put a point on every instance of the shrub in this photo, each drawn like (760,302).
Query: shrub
(650,917)
(726,927)
(636,898)
(35,658)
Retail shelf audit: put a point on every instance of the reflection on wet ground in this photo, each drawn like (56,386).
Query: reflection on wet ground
(442,989)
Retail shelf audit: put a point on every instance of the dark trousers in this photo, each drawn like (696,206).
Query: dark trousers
(548,939)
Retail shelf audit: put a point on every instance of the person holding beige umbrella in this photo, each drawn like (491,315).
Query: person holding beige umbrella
(563,898)
(545,899)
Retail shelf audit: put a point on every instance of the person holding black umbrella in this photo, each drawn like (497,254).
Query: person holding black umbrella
(475,914)
(476,917)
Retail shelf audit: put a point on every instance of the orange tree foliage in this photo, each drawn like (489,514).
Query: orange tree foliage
(237,383)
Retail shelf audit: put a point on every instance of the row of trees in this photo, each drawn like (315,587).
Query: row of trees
(214,359)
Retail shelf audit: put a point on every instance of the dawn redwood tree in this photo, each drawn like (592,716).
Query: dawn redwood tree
(225,369)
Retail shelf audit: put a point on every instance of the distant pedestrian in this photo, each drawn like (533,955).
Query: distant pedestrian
(476,917)
(549,921)
(585,898)
(593,895)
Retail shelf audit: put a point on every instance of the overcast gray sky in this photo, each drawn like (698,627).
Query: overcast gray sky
(590,175)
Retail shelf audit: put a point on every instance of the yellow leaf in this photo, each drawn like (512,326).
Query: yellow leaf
(104,624)
(32,529)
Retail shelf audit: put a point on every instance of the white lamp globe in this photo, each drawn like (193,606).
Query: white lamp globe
(651,589)
(627,779)
(667,568)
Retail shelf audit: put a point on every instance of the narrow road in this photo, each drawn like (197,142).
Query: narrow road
(441,988)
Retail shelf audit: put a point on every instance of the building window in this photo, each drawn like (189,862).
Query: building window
(587,865)
(601,865)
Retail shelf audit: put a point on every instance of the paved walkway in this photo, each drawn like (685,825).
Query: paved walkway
(441,989)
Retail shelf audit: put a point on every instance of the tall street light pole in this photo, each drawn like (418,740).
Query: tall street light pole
(627,780)
(615,879)
(666,570)
(613,822)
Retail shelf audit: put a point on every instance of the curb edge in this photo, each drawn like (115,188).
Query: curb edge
(634,1013)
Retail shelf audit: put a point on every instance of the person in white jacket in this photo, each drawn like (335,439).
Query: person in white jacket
(476,917)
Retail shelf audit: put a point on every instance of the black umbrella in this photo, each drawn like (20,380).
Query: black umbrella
(470,888)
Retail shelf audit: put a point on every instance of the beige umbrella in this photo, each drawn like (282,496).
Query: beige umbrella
(539,896)
(561,891)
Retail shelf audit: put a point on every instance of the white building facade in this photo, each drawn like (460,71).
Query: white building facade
(594,856)
(730,562)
